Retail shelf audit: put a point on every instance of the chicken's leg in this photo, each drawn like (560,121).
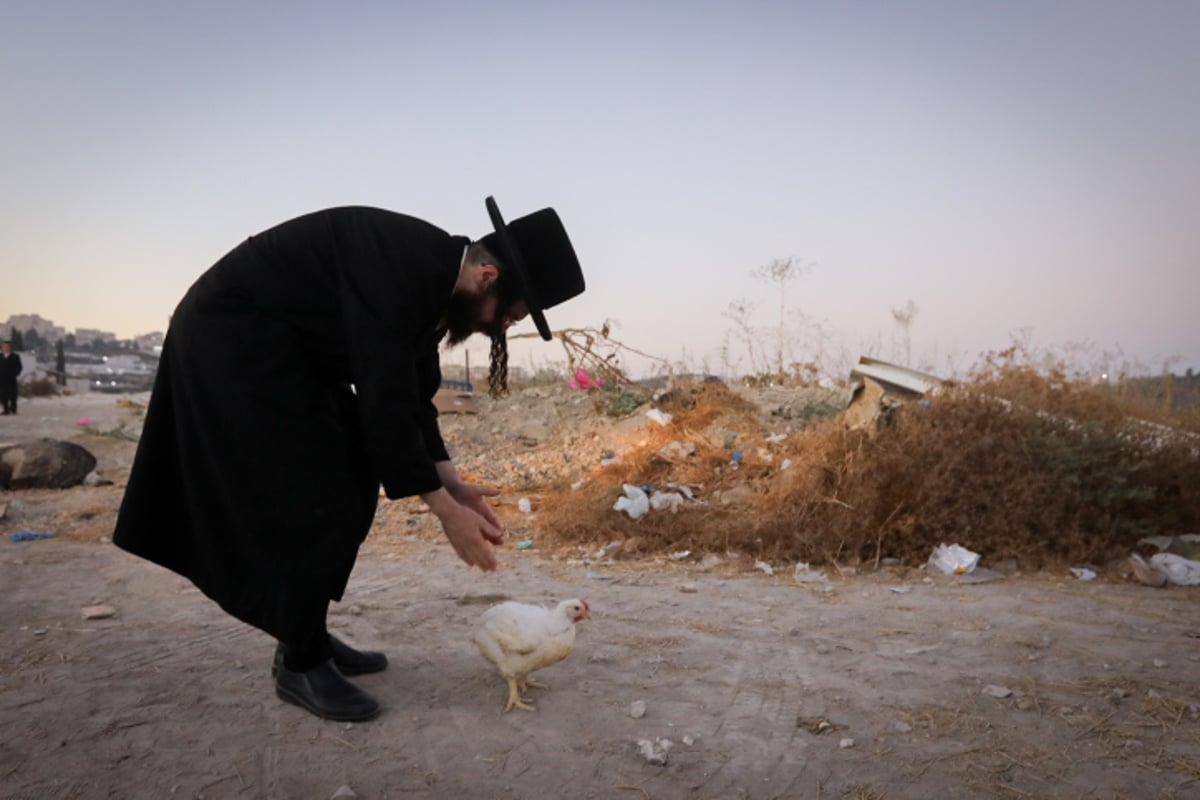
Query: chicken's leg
(514,697)
(527,682)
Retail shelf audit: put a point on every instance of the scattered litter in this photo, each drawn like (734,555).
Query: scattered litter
(1001,692)
(787,462)
(584,380)
(1159,663)
(953,559)
(609,550)
(902,727)
(710,561)
(660,501)
(1083,573)
(1164,568)
(26,536)
(524,505)
(637,709)
(806,574)
(900,589)
(765,567)
(658,416)
(689,741)
(737,457)
(1177,569)
(680,555)
(579,483)
(818,726)
(525,545)
(846,744)
(777,437)
(343,793)
(655,752)
(84,422)
(688,588)
(677,451)
(97,612)
(635,502)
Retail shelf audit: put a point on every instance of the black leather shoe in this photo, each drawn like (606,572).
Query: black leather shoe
(356,662)
(348,660)
(325,692)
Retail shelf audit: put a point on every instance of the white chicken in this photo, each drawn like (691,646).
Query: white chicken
(521,639)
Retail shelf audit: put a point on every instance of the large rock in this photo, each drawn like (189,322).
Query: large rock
(44,464)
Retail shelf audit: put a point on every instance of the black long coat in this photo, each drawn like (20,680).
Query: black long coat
(258,469)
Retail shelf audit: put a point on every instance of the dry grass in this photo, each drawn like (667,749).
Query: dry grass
(1014,463)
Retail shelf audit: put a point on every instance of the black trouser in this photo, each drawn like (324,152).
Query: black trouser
(309,648)
(8,393)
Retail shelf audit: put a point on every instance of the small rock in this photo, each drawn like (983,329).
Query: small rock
(1159,663)
(902,727)
(98,612)
(355,609)
(689,741)
(637,709)
(823,649)
(1118,694)
(688,588)
(342,792)
(846,744)
(1001,692)
(1025,704)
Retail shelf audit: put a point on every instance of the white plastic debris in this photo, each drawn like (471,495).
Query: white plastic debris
(343,793)
(806,574)
(524,505)
(661,501)
(1083,573)
(660,417)
(846,744)
(1176,569)
(1000,692)
(765,567)
(655,752)
(681,555)
(953,559)
(635,503)
(777,437)
(787,462)
(689,741)
(637,709)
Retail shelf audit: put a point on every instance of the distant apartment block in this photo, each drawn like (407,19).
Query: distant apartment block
(34,322)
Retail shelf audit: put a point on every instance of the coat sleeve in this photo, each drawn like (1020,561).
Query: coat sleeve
(430,375)
(384,301)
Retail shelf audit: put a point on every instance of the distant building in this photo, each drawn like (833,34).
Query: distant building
(45,328)
(89,336)
(149,342)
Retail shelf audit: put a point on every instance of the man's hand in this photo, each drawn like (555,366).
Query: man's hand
(470,533)
(470,496)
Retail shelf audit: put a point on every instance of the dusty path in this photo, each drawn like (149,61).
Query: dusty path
(756,680)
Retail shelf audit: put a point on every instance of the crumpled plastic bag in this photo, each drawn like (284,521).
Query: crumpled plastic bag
(953,559)
(584,380)
(661,501)
(635,502)
(1177,569)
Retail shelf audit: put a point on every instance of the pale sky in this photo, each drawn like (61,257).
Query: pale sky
(1015,169)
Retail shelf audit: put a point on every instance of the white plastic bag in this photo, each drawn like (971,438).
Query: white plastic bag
(953,559)
(1177,569)
(662,501)
(635,503)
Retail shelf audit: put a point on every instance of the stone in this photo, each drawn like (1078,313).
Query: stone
(44,464)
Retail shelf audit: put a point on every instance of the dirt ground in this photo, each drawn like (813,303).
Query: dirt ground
(896,684)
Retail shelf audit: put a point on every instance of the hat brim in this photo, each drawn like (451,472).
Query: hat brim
(511,256)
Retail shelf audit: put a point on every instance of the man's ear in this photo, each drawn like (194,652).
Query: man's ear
(488,273)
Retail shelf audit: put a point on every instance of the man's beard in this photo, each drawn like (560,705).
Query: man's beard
(463,316)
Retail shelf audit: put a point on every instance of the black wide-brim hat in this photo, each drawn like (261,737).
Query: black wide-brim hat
(539,257)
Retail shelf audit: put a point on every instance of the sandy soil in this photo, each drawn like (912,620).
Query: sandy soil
(895,684)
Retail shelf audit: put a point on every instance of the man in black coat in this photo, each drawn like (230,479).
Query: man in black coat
(297,376)
(10,368)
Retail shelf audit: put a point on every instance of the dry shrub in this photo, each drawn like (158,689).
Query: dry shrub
(1016,463)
